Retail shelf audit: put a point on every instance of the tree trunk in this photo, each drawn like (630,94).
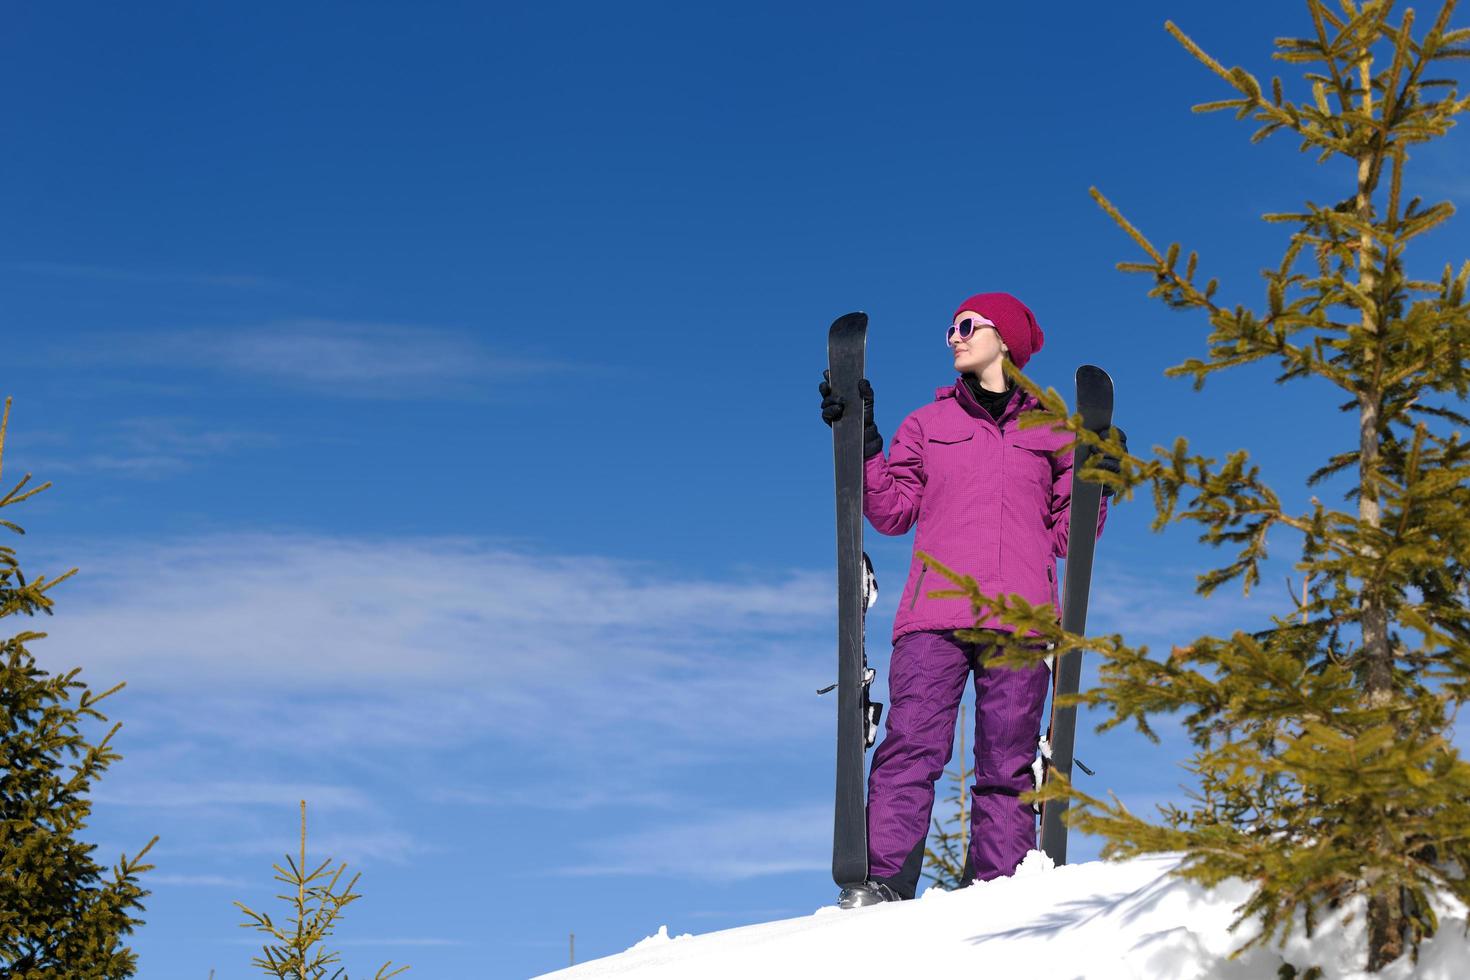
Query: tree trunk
(1384,924)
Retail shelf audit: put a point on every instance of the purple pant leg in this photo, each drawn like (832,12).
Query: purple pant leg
(926,680)
(1008,708)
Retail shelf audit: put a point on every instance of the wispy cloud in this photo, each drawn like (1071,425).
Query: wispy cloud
(369,943)
(351,359)
(1159,607)
(142,276)
(727,847)
(195,881)
(405,941)
(749,915)
(289,611)
(354,848)
(553,797)
(182,794)
(330,641)
(334,358)
(147,448)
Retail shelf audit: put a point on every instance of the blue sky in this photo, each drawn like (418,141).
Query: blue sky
(430,393)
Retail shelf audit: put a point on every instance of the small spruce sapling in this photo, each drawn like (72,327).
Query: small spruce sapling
(316,902)
(949,845)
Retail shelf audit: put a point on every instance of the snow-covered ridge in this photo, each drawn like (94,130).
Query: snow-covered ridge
(1096,921)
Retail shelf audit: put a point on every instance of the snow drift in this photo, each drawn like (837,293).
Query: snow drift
(1093,921)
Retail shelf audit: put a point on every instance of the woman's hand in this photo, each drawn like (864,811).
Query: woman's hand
(1105,461)
(833,407)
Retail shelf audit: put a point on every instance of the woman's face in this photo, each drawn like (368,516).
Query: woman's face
(983,348)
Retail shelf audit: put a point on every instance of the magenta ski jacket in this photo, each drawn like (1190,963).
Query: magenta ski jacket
(989,499)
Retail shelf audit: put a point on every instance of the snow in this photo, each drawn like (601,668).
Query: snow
(1095,921)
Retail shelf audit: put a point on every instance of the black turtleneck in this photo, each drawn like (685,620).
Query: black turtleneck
(993,402)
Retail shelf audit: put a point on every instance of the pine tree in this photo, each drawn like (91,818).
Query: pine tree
(59,918)
(1326,775)
(316,902)
(948,846)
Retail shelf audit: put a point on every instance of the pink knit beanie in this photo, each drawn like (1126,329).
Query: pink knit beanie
(1015,322)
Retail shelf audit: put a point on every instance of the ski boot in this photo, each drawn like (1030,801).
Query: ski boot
(868,893)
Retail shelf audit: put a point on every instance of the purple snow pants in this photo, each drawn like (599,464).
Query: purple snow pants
(926,680)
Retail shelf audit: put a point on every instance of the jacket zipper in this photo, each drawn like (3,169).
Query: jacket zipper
(918,588)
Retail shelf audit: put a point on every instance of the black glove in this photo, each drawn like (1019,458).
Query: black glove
(1105,461)
(832,408)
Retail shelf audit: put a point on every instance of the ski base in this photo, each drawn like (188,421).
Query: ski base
(856,722)
(1095,403)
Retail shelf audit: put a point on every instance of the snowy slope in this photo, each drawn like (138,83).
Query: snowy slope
(1092,921)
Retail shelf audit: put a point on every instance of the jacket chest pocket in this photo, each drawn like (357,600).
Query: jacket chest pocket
(948,457)
(1029,459)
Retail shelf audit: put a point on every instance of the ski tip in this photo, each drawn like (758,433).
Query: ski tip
(1094,396)
(848,322)
(1092,374)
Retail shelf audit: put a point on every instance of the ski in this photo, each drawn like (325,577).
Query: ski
(857,716)
(1095,403)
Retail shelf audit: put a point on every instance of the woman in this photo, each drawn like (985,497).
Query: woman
(989,500)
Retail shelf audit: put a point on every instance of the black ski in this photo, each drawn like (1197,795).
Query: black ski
(1095,403)
(856,716)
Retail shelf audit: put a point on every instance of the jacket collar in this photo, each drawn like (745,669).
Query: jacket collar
(1020,401)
